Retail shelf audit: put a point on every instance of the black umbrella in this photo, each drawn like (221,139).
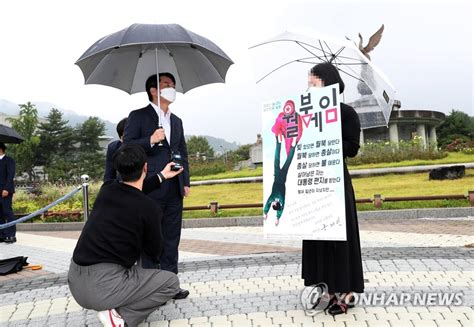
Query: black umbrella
(12,265)
(9,135)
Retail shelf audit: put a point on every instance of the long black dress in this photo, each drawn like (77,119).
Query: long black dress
(339,263)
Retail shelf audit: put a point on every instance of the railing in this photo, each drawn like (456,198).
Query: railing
(84,187)
(377,200)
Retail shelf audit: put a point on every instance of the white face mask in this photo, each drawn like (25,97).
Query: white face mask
(168,93)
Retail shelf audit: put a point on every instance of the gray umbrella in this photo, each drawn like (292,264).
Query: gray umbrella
(125,59)
(9,135)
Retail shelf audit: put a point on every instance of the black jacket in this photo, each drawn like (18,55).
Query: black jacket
(7,173)
(140,126)
(123,224)
(110,172)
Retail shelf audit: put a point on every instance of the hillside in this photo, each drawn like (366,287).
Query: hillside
(219,145)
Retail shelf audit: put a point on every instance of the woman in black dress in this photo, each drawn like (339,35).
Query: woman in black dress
(337,263)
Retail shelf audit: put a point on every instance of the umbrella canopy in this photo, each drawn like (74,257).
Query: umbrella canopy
(282,65)
(125,59)
(12,265)
(9,135)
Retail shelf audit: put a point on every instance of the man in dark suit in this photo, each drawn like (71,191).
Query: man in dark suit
(7,188)
(110,172)
(161,134)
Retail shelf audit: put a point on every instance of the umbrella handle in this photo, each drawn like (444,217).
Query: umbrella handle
(158,90)
(157,77)
(33,267)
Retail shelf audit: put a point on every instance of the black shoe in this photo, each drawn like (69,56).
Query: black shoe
(182,294)
(332,300)
(10,239)
(341,307)
(2,239)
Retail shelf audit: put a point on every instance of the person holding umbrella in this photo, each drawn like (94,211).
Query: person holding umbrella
(124,60)
(337,263)
(7,188)
(161,134)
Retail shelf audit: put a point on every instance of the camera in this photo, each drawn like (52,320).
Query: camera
(176,158)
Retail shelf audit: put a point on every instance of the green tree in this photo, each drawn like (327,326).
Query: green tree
(89,133)
(57,154)
(56,138)
(199,144)
(25,153)
(90,156)
(457,125)
(242,152)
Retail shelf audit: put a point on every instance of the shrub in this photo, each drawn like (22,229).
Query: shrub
(26,203)
(459,145)
(25,207)
(202,168)
(376,152)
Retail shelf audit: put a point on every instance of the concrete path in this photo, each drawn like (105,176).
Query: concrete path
(237,278)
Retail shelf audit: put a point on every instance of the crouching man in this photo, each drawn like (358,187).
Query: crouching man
(106,274)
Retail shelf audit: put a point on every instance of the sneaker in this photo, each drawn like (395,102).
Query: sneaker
(111,318)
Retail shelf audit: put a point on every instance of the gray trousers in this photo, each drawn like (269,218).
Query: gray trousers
(134,293)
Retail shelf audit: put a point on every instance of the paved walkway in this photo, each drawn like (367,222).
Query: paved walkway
(237,278)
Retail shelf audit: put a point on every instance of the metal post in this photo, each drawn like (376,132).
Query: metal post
(85,196)
(214,206)
(378,200)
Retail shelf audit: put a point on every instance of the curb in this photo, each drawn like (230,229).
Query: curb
(257,221)
(403,170)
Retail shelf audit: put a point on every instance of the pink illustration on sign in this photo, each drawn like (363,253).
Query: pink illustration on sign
(289,124)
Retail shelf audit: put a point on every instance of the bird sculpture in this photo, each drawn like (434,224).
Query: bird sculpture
(373,41)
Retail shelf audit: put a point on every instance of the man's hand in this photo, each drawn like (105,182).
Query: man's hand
(5,193)
(168,173)
(187,190)
(157,136)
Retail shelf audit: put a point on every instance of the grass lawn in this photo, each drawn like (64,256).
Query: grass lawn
(387,185)
(411,185)
(452,158)
(231,174)
(224,194)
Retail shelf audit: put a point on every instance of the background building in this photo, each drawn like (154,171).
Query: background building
(405,125)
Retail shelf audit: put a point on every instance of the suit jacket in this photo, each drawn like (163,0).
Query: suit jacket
(110,172)
(7,173)
(140,126)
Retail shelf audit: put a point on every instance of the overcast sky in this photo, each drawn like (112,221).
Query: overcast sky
(426,51)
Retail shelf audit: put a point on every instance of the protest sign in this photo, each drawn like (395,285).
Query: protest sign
(303,167)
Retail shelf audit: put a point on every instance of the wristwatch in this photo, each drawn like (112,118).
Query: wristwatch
(161,177)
